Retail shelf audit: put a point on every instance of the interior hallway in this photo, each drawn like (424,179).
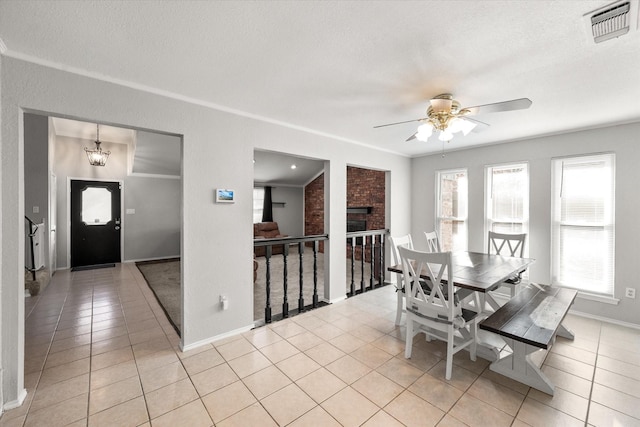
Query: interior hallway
(99,351)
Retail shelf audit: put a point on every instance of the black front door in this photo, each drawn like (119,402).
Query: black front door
(95,223)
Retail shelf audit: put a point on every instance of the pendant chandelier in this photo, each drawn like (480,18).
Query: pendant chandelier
(97,157)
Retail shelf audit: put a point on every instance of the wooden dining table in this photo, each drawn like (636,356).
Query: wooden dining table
(481,272)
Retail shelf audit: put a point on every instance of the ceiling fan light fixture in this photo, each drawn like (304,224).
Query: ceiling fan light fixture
(424,132)
(466,126)
(441,104)
(445,135)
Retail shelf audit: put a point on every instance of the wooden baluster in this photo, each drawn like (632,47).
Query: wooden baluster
(301,297)
(315,273)
(353,262)
(372,260)
(362,245)
(267,309)
(285,300)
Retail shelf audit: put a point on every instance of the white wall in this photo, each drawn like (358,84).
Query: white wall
(290,217)
(623,140)
(217,239)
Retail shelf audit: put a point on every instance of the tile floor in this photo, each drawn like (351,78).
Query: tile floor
(99,351)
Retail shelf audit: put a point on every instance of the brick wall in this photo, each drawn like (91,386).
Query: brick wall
(365,188)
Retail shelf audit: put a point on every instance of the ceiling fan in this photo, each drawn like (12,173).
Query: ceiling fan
(445,115)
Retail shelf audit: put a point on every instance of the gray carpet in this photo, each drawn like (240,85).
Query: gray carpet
(163,277)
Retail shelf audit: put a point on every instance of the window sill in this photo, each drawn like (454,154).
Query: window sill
(598,298)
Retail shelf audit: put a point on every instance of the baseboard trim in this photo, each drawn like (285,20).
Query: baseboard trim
(16,403)
(605,319)
(216,338)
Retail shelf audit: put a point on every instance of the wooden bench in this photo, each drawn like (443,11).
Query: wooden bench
(529,322)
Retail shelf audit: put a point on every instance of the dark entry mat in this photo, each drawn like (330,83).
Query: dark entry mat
(92,267)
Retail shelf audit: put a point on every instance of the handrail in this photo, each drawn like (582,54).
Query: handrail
(32,232)
(280,240)
(367,233)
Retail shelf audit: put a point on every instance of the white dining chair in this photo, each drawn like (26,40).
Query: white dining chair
(396,242)
(433,242)
(510,245)
(434,308)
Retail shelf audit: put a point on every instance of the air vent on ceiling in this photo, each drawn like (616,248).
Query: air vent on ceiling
(612,21)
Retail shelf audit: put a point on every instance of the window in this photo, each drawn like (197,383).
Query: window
(583,223)
(451,209)
(507,199)
(258,204)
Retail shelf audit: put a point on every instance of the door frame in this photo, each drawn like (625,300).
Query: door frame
(68,212)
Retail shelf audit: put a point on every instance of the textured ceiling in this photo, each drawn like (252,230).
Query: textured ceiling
(339,68)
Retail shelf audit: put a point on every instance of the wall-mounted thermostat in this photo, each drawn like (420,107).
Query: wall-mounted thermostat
(225,195)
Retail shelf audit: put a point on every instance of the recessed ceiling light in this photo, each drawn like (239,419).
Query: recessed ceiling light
(293,166)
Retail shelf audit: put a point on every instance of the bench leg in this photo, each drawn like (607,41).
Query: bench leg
(565,332)
(518,366)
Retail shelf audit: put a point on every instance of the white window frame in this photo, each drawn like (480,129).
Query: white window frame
(489,218)
(460,219)
(607,278)
(257,211)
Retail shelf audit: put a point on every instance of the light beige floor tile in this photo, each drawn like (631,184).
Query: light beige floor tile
(146,335)
(110,358)
(377,388)
(347,342)
(114,394)
(349,407)
(227,401)
(64,372)
(235,349)
(390,344)
(129,413)
(507,382)
(328,331)
(616,400)
(202,361)
(450,421)
(151,346)
(576,353)
(266,381)
(59,392)
(192,414)
(110,344)
(106,334)
(250,363)
(497,395)
(287,329)
(602,416)
(348,369)
(324,353)
(400,371)
(309,321)
(298,366)
(317,417)
(411,410)
(305,341)
(113,374)
(564,401)
(475,412)
(421,359)
(213,379)
(568,382)
(460,378)
(65,412)
(162,376)
(279,351)
(371,356)
(321,385)
(67,343)
(156,360)
(382,419)
(572,366)
(262,337)
(287,404)
(170,397)
(538,414)
(617,382)
(67,356)
(253,415)
(437,392)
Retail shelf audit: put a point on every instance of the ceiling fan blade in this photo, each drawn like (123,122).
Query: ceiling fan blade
(399,123)
(480,126)
(514,104)
(411,137)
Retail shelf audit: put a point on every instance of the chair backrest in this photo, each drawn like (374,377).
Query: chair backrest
(429,297)
(398,241)
(433,243)
(506,244)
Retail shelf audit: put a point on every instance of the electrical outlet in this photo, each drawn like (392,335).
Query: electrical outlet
(630,293)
